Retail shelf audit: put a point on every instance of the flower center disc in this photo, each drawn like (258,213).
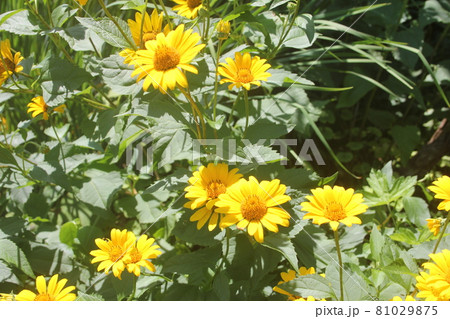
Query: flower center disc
(115,253)
(215,188)
(192,4)
(166,58)
(335,211)
(253,208)
(135,256)
(43,297)
(244,76)
(10,66)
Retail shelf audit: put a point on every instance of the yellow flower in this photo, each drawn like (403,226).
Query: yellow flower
(150,29)
(4,127)
(82,2)
(188,8)
(38,106)
(223,28)
(408,298)
(6,297)
(291,275)
(9,63)
(112,251)
(244,71)
(442,189)
(435,285)
(334,205)
(138,255)
(206,185)
(310,298)
(54,292)
(162,62)
(252,205)
(434,225)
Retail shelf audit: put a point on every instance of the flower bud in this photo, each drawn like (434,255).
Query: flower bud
(223,29)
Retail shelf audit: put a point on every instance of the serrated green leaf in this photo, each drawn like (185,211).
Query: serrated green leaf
(68,233)
(13,255)
(282,243)
(309,285)
(108,31)
(100,189)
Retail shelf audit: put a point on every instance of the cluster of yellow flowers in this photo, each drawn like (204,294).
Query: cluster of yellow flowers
(163,54)
(122,251)
(226,199)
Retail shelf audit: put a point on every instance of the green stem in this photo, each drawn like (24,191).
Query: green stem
(169,23)
(233,107)
(442,233)
(131,43)
(216,80)
(247,109)
(60,144)
(141,33)
(224,256)
(338,249)
(131,297)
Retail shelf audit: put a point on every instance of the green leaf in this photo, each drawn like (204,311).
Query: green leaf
(19,22)
(108,31)
(6,157)
(302,34)
(61,13)
(406,236)
(56,85)
(117,75)
(282,243)
(194,262)
(101,188)
(81,296)
(376,243)
(13,255)
(68,233)
(187,230)
(416,210)
(309,285)
(407,139)
(355,288)
(221,286)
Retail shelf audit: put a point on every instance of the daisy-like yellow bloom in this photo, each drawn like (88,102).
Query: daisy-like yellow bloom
(206,185)
(54,292)
(253,205)
(434,225)
(150,29)
(112,251)
(6,297)
(408,298)
(82,2)
(310,298)
(334,205)
(9,63)
(442,189)
(435,285)
(188,8)
(163,61)
(244,71)
(4,127)
(138,255)
(291,275)
(38,106)
(223,29)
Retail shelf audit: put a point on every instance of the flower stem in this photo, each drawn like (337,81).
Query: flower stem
(442,233)
(233,107)
(247,110)
(195,112)
(216,80)
(338,249)
(131,297)
(169,23)
(141,32)
(131,43)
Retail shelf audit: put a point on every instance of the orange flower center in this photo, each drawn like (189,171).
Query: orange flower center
(115,253)
(5,62)
(149,36)
(135,255)
(244,76)
(166,58)
(192,4)
(44,297)
(215,188)
(253,208)
(335,211)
